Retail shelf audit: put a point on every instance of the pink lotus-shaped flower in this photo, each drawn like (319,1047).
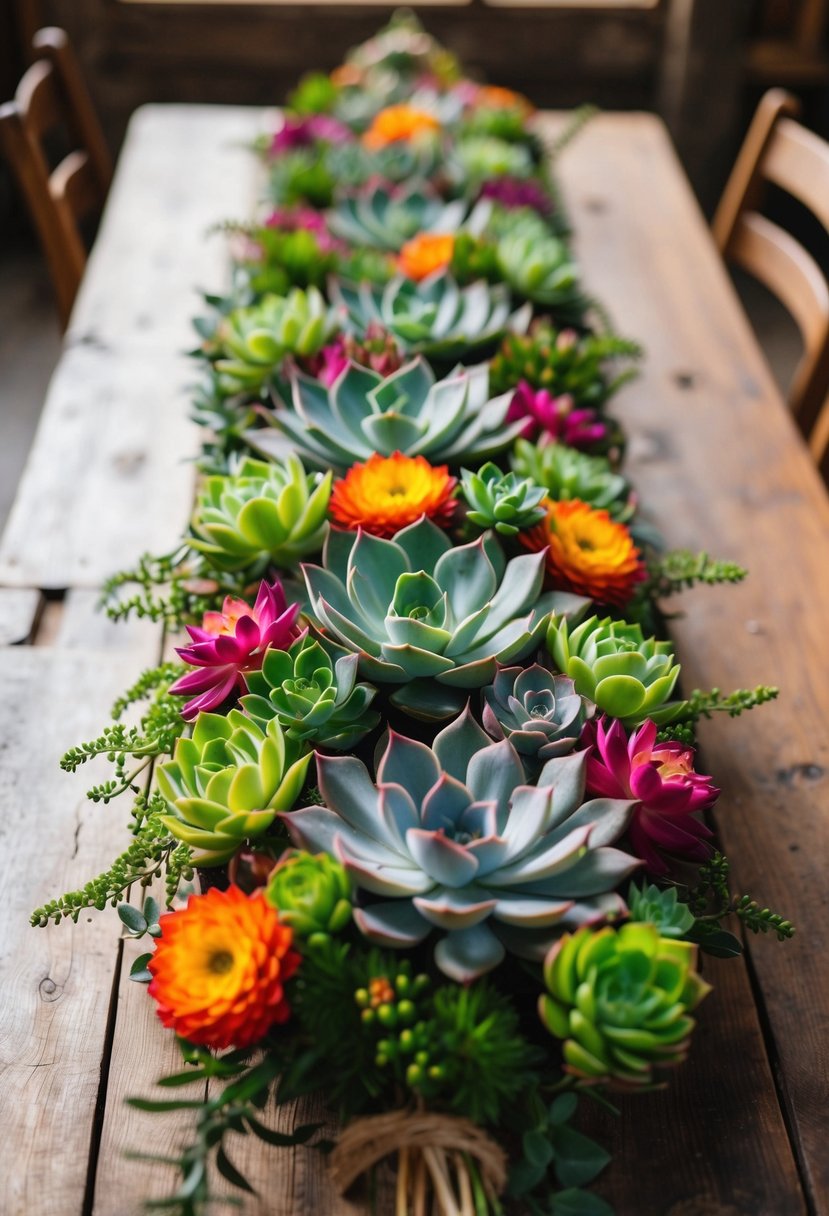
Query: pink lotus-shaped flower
(554,417)
(661,777)
(232,642)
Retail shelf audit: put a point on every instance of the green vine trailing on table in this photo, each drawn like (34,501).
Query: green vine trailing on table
(425,747)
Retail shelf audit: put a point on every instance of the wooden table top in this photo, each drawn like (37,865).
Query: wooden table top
(741,1130)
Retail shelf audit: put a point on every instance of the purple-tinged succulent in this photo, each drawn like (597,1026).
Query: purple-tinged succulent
(378,351)
(541,714)
(305,131)
(231,642)
(514,192)
(555,418)
(450,838)
(661,777)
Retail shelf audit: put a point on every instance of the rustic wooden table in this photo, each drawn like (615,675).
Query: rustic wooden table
(741,1131)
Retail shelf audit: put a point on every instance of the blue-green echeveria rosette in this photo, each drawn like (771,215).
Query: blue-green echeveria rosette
(225,785)
(448,421)
(385,218)
(627,675)
(450,839)
(316,699)
(540,713)
(437,634)
(312,894)
(503,501)
(620,1002)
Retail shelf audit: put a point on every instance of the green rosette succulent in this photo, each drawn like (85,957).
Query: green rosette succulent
(541,269)
(317,701)
(620,1000)
(540,713)
(503,501)
(629,676)
(566,474)
(251,343)
(449,838)
(447,421)
(225,785)
(434,317)
(383,218)
(565,362)
(353,165)
(311,893)
(478,158)
(434,635)
(262,513)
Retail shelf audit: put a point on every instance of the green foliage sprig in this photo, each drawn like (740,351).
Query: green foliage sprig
(712,901)
(703,704)
(174,589)
(680,569)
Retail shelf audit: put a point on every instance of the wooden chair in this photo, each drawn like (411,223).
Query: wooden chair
(51,95)
(779,150)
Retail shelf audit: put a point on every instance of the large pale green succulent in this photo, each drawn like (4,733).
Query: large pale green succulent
(541,714)
(385,218)
(266,513)
(620,1001)
(627,675)
(503,501)
(250,344)
(434,317)
(565,474)
(450,838)
(316,700)
(225,784)
(431,634)
(447,421)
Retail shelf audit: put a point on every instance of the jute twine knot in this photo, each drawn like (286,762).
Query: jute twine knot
(437,1140)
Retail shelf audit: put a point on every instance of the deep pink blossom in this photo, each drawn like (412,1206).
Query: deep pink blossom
(661,777)
(232,642)
(377,351)
(513,192)
(554,417)
(304,132)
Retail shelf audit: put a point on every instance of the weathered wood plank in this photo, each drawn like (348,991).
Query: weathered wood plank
(56,982)
(19,610)
(728,471)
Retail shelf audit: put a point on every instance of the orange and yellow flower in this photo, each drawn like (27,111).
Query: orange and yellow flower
(389,492)
(425,254)
(220,967)
(587,552)
(493,97)
(397,123)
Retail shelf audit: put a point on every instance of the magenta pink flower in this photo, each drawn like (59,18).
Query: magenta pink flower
(231,642)
(305,219)
(661,777)
(377,351)
(513,192)
(554,417)
(303,132)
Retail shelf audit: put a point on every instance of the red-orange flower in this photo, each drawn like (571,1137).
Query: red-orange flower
(426,253)
(389,492)
(220,967)
(397,123)
(588,552)
(494,97)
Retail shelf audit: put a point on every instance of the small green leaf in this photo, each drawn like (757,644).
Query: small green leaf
(160,1107)
(563,1108)
(578,1158)
(183,1078)
(574,1202)
(138,970)
(229,1171)
(537,1148)
(152,911)
(300,1135)
(133,919)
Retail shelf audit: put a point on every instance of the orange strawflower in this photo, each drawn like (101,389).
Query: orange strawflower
(493,97)
(425,254)
(220,967)
(399,122)
(389,492)
(588,553)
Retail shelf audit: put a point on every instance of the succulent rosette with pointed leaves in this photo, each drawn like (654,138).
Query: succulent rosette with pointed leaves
(628,675)
(233,642)
(503,501)
(447,421)
(450,838)
(541,269)
(312,894)
(620,1000)
(432,316)
(436,634)
(225,785)
(316,700)
(385,217)
(661,777)
(540,713)
(567,474)
(253,342)
(262,513)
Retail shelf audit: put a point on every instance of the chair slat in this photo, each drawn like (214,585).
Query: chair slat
(39,100)
(73,184)
(797,160)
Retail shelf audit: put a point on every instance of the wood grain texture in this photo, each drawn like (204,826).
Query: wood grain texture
(56,982)
(724,467)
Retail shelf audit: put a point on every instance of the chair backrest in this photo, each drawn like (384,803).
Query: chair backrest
(52,95)
(779,150)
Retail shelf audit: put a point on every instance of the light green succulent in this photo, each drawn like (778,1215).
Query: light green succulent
(385,219)
(354,165)
(435,634)
(318,702)
(481,157)
(252,343)
(566,474)
(503,501)
(434,317)
(311,893)
(447,421)
(627,675)
(262,513)
(541,269)
(225,785)
(620,1000)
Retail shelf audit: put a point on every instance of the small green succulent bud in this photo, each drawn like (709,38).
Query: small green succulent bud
(312,894)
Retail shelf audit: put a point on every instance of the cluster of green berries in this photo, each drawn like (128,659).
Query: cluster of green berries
(394,1008)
